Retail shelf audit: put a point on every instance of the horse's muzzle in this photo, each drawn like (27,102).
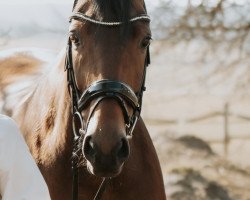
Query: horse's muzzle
(105,164)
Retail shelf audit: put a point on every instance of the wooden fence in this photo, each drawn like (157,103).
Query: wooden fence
(225,113)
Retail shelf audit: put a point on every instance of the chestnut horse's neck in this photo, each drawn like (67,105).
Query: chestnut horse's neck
(46,123)
(48,116)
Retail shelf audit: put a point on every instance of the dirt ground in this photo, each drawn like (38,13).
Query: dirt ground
(192,171)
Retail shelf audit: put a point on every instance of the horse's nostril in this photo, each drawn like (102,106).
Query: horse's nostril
(88,148)
(123,150)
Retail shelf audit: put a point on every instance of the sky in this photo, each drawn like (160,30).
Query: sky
(150,2)
(16,2)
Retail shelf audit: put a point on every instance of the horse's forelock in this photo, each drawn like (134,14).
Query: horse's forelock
(114,9)
(109,11)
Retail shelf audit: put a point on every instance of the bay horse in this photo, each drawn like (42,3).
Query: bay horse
(81,120)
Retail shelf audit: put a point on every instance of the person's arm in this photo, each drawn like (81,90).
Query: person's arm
(20,178)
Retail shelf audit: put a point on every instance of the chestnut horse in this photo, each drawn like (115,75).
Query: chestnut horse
(99,88)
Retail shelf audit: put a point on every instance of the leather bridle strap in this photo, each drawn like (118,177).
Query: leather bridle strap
(108,88)
(116,90)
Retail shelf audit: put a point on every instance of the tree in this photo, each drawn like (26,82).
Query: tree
(221,27)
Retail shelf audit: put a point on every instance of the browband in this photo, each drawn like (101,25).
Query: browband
(78,15)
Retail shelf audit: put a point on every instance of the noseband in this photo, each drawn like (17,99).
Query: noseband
(97,92)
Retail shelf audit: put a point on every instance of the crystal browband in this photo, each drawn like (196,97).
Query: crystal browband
(78,15)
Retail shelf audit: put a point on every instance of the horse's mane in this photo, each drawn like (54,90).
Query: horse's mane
(20,72)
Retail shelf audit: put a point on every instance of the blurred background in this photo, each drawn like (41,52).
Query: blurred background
(197,104)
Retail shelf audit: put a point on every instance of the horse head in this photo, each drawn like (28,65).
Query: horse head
(106,63)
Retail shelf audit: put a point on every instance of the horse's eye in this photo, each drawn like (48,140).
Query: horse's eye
(74,39)
(145,42)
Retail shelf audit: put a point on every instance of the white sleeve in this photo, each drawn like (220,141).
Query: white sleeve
(20,178)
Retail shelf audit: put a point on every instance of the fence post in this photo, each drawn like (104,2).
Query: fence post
(226,128)
(181,123)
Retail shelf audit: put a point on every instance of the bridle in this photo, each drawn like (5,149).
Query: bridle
(97,92)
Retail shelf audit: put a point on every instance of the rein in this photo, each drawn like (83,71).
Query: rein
(98,91)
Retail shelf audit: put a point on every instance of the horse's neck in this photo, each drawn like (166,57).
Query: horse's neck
(45,117)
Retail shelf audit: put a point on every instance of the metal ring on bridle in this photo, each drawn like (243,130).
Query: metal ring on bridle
(77,116)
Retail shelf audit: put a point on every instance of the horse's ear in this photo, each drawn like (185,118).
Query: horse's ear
(74,5)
